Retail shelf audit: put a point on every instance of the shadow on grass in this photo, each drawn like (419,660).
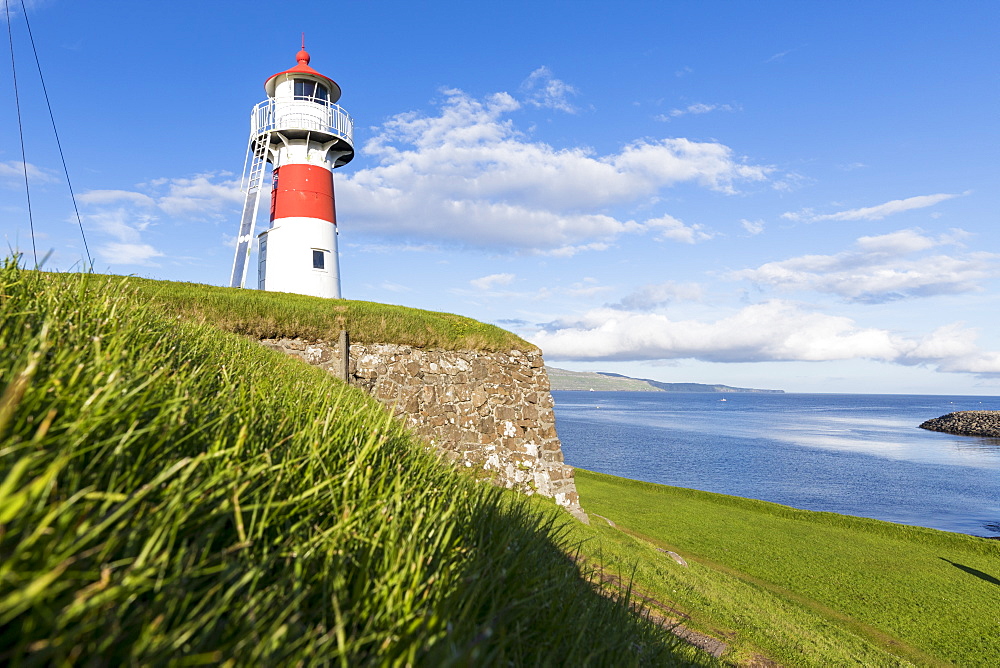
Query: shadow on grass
(972,571)
(522,601)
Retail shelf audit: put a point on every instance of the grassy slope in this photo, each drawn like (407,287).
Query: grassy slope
(276,314)
(170,492)
(801,587)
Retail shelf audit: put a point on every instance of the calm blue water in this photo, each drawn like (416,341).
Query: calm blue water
(851,454)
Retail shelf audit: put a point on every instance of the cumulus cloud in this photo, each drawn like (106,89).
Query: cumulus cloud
(199,196)
(123,216)
(467,175)
(487,282)
(952,348)
(544,90)
(125,227)
(877,212)
(767,332)
(672,229)
(882,268)
(772,331)
(202,195)
(123,224)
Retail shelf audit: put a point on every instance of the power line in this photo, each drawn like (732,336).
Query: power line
(20,130)
(72,195)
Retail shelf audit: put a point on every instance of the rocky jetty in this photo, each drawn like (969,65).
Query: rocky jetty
(967,423)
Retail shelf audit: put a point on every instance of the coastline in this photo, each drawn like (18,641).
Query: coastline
(852,455)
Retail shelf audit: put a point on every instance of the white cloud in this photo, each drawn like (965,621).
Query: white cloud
(544,90)
(466,175)
(753,227)
(487,282)
(697,108)
(780,56)
(383,249)
(671,229)
(655,295)
(12,174)
(199,196)
(126,253)
(15,9)
(772,331)
(877,212)
(880,269)
(768,332)
(570,251)
(102,197)
(125,215)
(122,224)
(952,348)
(588,287)
(395,287)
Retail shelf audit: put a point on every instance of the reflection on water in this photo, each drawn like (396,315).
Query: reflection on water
(854,454)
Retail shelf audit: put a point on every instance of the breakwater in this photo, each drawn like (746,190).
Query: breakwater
(967,423)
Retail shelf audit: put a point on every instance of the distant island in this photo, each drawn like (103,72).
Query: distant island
(602,381)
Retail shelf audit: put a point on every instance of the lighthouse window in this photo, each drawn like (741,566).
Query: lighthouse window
(310,90)
(319,259)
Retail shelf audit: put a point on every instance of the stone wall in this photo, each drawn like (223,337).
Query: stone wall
(484,410)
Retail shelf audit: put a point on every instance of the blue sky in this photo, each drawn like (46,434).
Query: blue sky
(792,195)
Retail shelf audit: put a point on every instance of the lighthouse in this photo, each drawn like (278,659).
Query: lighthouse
(304,135)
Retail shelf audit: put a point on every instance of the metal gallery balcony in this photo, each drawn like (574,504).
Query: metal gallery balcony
(301,117)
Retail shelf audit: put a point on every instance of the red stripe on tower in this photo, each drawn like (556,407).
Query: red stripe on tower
(303,191)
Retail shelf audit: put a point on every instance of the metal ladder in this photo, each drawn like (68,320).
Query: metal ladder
(255,163)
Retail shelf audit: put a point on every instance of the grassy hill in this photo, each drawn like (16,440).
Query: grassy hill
(603,381)
(561,379)
(172,492)
(798,587)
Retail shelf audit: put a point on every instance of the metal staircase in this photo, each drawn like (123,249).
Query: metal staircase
(253,171)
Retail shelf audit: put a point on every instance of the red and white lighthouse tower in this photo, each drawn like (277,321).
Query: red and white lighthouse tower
(302,132)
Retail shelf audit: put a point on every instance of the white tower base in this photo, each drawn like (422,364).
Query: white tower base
(300,255)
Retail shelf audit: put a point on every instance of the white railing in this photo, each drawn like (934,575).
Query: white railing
(311,114)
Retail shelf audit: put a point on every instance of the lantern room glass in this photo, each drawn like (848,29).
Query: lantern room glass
(311,90)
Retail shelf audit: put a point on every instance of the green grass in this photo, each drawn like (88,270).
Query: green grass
(802,588)
(277,314)
(173,493)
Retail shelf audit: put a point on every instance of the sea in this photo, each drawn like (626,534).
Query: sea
(854,454)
